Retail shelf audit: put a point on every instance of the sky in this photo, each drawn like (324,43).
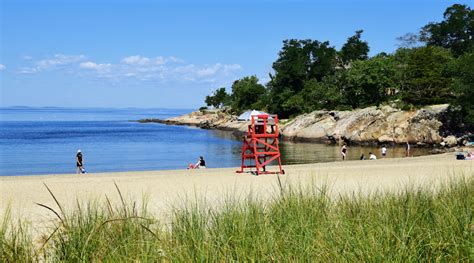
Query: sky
(171,54)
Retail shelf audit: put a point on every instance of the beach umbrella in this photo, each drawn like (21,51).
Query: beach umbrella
(246,116)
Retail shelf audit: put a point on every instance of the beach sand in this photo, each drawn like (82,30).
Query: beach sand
(165,189)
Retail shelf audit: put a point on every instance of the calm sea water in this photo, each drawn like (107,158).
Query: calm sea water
(45,141)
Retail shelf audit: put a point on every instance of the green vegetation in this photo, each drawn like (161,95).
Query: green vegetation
(16,243)
(432,67)
(295,225)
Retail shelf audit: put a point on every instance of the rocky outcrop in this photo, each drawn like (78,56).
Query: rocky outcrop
(369,125)
(208,119)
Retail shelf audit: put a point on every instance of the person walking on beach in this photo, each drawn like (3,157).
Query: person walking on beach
(344,152)
(201,164)
(407,149)
(79,162)
(384,151)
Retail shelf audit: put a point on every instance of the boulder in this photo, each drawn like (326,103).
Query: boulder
(450,141)
(372,124)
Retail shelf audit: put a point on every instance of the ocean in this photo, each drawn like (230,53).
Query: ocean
(36,141)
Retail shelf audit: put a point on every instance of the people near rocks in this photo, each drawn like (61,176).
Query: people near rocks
(407,149)
(344,152)
(372,156)
(362,157)
(80,163)
(201,164)
(384,151)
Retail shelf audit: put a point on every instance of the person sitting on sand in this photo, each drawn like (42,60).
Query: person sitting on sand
(469,156)
(201,164)
(79,163)
(344,152)
(372,156)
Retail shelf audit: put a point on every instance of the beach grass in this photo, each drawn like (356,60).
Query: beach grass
(16,243)
(297,224)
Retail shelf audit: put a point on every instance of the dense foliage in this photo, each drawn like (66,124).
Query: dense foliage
(435,66)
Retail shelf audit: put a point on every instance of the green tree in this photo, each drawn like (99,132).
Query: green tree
(354,49)
(464,87)
(218,98)
(322,60)
(298,61)
(371,82)
(318,95)
(456,31)
(426,78)
(247,94)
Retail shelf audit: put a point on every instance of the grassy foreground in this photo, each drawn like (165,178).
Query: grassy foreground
(295,225)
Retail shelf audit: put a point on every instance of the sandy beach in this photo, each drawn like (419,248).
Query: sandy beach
(165,189)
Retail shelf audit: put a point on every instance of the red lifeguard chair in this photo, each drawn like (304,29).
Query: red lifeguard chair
(260,145)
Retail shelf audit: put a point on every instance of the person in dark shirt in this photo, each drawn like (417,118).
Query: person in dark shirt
(79,163)
(201,164)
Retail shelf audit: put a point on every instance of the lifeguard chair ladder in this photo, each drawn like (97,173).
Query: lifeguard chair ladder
(260,145)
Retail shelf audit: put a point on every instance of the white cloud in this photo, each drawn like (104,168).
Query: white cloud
(59,60)
(142,61)
(136,60)
(136,67)
(95,66)
(164,69)
(26,70)
(2,67)
(50,63)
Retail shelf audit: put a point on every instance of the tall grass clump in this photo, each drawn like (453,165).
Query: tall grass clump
(94,232)
(16,244)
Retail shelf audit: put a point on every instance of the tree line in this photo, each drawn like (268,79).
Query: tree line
(434,66)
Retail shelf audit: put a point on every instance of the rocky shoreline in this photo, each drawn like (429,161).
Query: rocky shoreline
(368,126)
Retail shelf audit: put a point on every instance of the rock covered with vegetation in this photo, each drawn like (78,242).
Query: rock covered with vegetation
(372,124)
(384,124)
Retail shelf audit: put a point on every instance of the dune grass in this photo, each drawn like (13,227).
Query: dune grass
(298,224)
(16,244)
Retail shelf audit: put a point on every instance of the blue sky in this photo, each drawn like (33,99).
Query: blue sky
(171,54)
